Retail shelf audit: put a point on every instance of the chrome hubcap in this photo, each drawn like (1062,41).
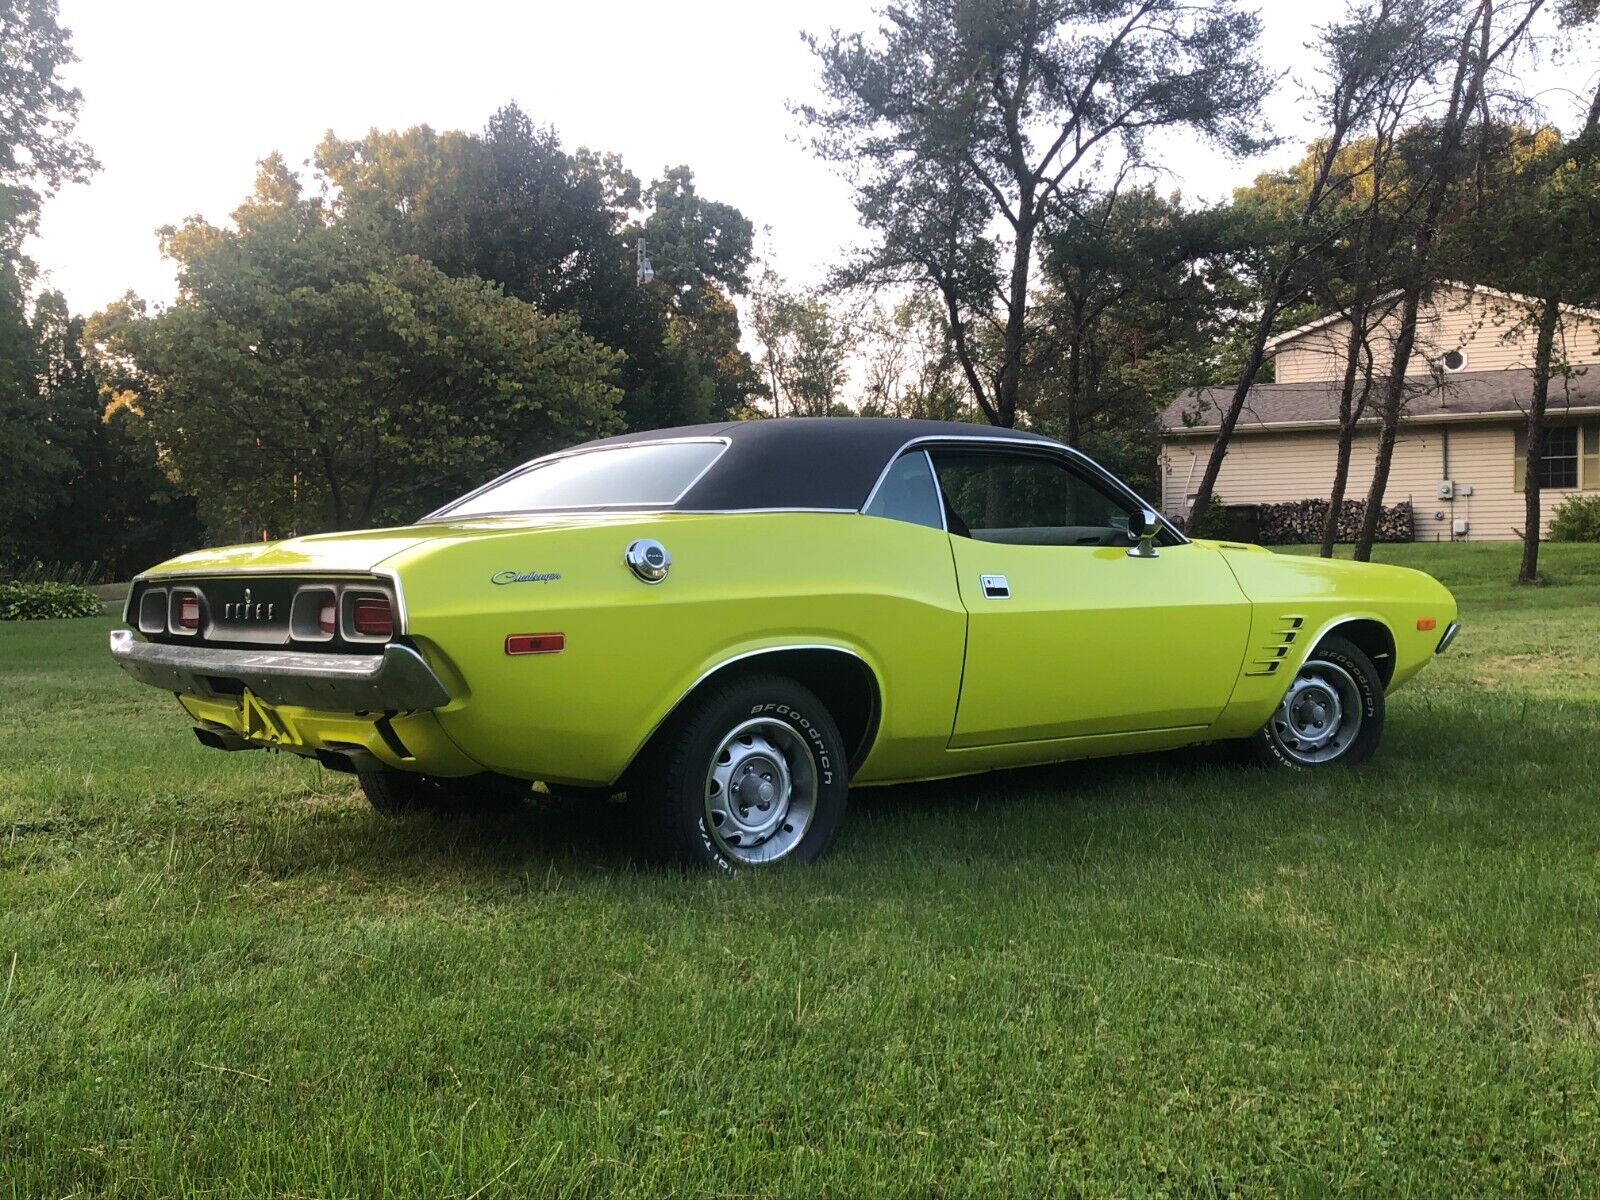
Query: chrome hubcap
(761,791)
(1320,714)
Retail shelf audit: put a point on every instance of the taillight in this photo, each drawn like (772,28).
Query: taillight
(328,617)
(186,611)
(372,617)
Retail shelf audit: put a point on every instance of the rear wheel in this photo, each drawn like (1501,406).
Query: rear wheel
(396,793)
(1332,713)
(754,775)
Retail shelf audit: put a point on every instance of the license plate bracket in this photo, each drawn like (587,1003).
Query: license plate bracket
(263,723)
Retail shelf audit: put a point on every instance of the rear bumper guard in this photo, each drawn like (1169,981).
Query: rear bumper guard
(398,680)
(1449,636)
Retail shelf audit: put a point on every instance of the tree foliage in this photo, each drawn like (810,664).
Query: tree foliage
(310,375)
(805,348)
(964,124)
(558,230)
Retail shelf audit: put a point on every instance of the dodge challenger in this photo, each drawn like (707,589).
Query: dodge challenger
(734,623)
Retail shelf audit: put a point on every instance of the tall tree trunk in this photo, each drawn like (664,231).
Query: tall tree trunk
(1272,303)
(1074,412)
(1349,414)
(1473,64)
(1394,395)
(1549,319)
(1241,391)
(1009,390)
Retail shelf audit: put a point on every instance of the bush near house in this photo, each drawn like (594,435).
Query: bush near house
(1576,519)
(44,601)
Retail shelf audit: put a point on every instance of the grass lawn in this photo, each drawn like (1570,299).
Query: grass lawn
(1167,975)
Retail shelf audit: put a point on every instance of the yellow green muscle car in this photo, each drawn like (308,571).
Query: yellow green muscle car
(734,623)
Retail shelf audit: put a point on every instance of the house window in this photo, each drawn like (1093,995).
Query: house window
(1569,460)
(1454,360)
(1558,466)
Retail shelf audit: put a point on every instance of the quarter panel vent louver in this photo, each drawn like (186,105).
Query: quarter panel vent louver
(1273,650)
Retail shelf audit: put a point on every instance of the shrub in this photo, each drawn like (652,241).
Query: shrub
(1576,519)
(42,601)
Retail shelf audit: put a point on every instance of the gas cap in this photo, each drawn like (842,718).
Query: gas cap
(648,559)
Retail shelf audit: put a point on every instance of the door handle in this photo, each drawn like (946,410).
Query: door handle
(995,587)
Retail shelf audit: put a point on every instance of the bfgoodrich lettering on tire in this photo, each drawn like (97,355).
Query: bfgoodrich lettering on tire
(753,775)
(1331,714)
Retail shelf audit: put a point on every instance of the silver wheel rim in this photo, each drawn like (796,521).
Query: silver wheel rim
(761,791)
(1320,715)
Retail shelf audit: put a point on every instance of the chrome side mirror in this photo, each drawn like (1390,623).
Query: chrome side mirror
(1143,529)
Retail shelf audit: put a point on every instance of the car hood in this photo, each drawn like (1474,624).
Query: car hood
(364,550)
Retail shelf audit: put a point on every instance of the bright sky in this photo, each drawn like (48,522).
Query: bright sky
(181,97)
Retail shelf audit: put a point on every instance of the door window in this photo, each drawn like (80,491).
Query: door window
(1028,500)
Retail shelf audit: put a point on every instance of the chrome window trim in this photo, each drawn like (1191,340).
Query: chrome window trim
(938,491)
(443,513)
(1029,443)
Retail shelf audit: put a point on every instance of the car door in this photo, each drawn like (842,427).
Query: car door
(1067,634)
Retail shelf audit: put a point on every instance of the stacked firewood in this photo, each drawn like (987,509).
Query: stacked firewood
(1302,520)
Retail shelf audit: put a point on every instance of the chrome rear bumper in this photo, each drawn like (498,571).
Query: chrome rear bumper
(396,680)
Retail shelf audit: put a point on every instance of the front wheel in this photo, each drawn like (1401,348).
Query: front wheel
(753,775)
(1331,715)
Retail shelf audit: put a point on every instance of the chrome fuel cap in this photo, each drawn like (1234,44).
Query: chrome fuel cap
(648,559)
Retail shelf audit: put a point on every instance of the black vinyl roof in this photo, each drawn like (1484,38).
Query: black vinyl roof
(805,462)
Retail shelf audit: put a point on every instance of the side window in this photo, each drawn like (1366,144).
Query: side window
(908,493)
(1028,500)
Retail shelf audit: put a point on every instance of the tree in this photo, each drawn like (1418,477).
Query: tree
(908,364)
(310,377)
(112,504)
(1128,314)
(558,229)
(1440,152)
(701,251)
(966,123)
(805,348)
(38,155)
(1533,236)
(1379,43)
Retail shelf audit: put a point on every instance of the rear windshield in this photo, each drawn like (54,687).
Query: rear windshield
(653,474)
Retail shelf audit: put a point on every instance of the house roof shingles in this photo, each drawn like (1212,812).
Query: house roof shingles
(1470,394)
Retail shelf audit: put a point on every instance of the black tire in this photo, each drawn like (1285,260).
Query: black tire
(397,793)
(685,814)
(1275,742)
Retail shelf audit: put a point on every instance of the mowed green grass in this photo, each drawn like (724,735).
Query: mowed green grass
(1167,975)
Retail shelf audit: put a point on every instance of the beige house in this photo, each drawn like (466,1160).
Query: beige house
(1459,457)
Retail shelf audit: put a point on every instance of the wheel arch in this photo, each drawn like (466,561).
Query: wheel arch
(1371,636)
(842,679)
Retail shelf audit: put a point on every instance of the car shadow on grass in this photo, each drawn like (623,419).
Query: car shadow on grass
(600,837)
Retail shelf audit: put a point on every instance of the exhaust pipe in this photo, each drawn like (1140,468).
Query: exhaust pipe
(219,737)
(352,760)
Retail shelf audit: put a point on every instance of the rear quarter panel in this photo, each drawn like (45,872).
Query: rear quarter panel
(884,590)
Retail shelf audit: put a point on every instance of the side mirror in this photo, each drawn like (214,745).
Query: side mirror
(1143,527)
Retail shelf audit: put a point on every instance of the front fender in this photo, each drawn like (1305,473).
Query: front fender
(1296,601)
